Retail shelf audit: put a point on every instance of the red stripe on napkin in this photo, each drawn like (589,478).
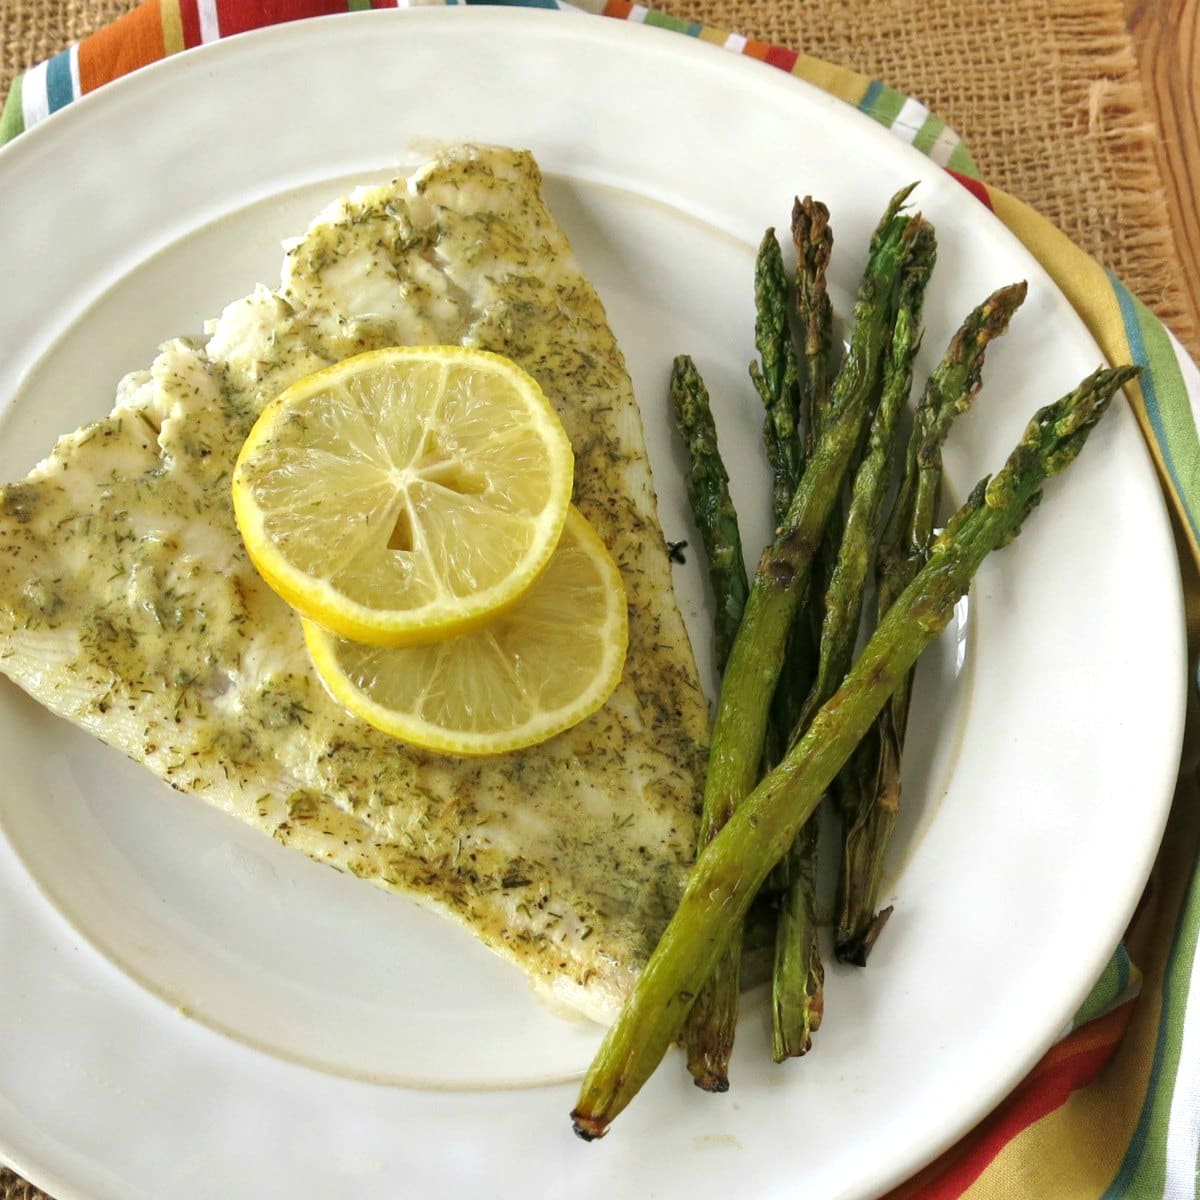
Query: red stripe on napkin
(189,18)
(240,16)
(975,187)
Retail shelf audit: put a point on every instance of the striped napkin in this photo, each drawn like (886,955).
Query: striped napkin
(1112,1112)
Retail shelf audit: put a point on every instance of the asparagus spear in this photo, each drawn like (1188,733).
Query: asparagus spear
(813,240)
(798,974)
(872,481)
(708,493)
(775,379)
(951,388)
(869,791)
(714,1020)
(716,519)
(780,586)
(729,871)
(797,996)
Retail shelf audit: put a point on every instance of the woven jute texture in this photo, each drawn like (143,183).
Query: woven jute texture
(1045,92)
(13,1187)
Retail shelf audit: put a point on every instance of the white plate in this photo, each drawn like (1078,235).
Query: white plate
(190,1010)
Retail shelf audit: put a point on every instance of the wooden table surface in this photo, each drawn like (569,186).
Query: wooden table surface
(1166,35)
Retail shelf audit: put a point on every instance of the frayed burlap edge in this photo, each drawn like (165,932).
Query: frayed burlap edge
(1117,116)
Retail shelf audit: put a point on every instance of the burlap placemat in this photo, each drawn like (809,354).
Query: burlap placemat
(1045,92)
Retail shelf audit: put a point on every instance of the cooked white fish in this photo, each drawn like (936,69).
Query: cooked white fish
(128,604)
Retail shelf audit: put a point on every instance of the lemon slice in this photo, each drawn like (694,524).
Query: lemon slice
(550,660)
(404,495)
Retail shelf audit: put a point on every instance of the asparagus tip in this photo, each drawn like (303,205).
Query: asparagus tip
(903,194)
(1013,293)
(993,315)
(810,226)
(1125,374)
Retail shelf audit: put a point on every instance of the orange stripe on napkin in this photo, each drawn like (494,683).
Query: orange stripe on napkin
(132,41)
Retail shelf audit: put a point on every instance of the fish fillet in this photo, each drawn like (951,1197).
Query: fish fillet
(128,604)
